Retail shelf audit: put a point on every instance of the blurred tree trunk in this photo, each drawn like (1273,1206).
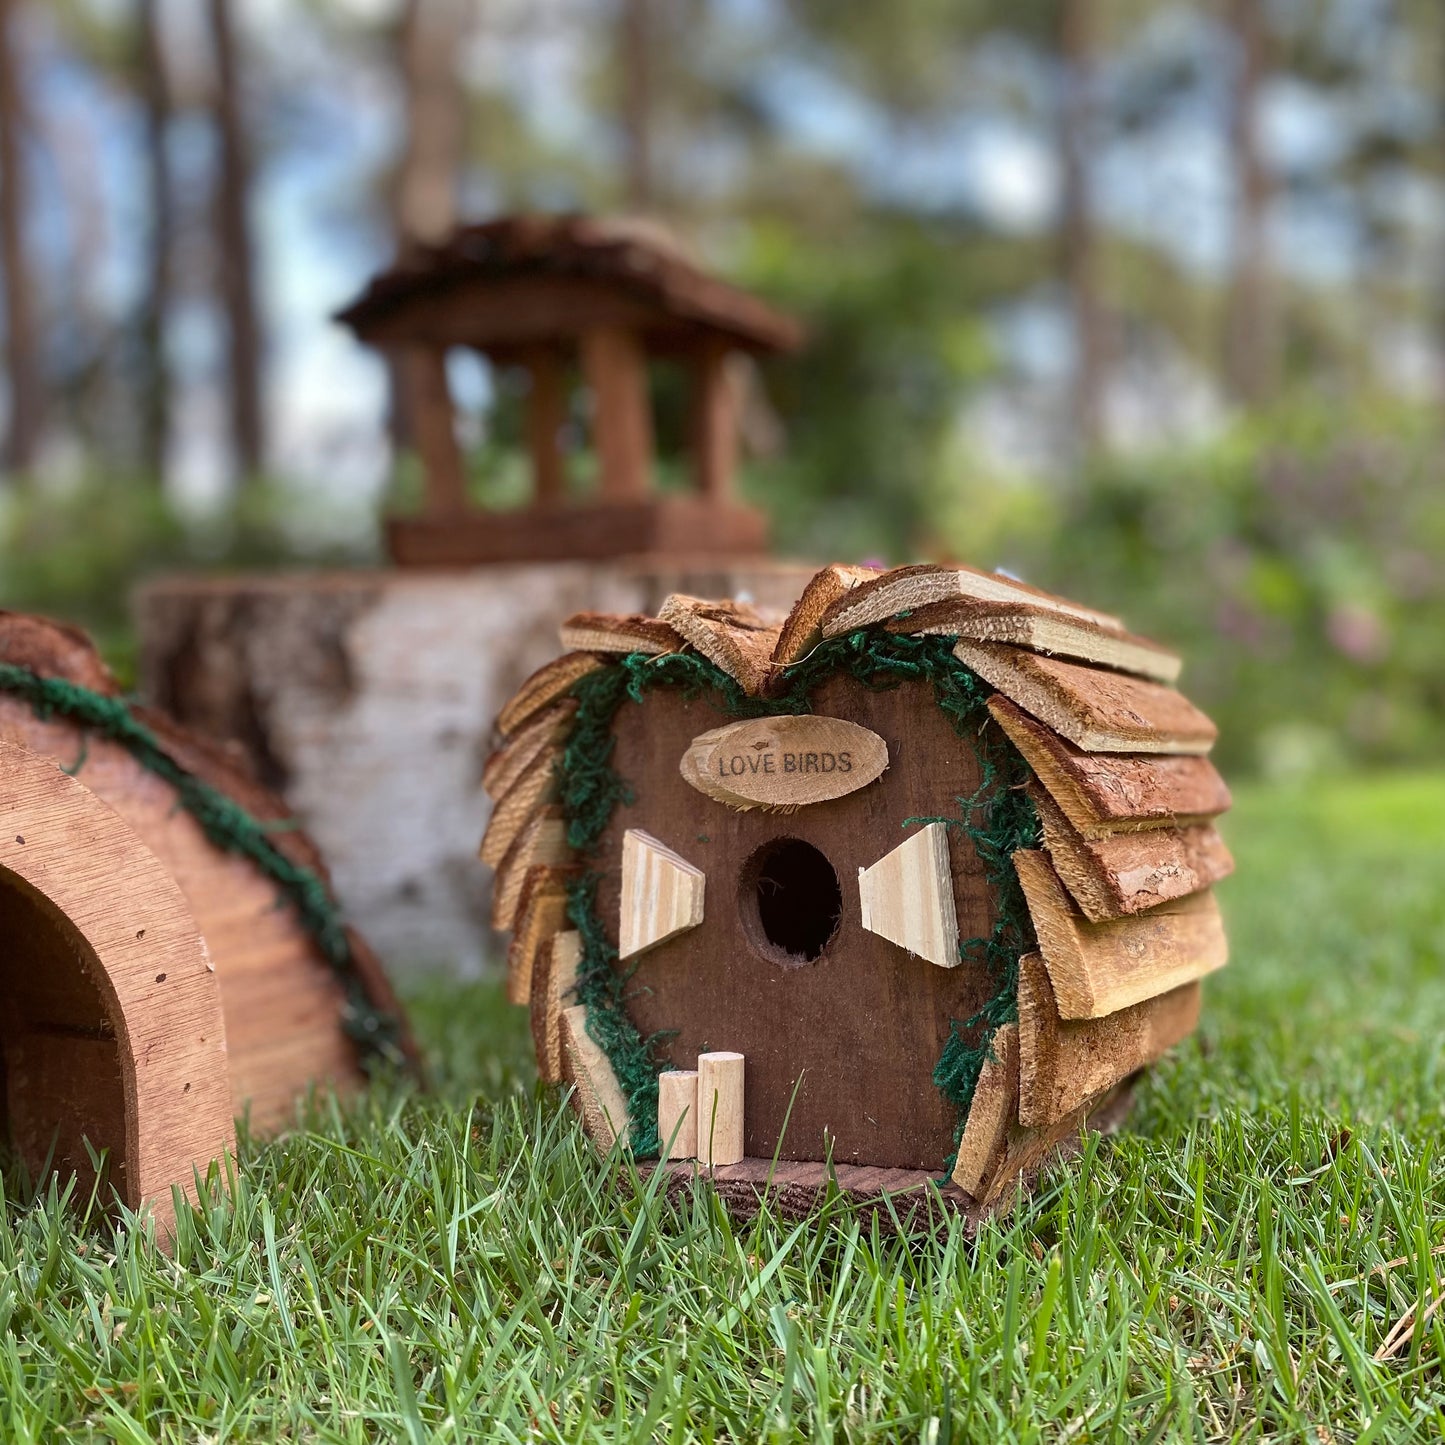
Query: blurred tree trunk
(426,185)
(155,389)
(1078,244)
(636,79)
(1251,322)
(234,244)
(22,360)
(424,197)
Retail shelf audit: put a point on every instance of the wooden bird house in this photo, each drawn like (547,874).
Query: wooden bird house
(916,882)
(174,957)
(555,297)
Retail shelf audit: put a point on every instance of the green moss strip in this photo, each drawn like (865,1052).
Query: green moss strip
(230,827)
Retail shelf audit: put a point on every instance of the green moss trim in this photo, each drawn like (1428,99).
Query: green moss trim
(231,828)
(997,819)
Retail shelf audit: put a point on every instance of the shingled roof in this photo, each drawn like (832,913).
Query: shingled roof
(637,258)
(1119,888)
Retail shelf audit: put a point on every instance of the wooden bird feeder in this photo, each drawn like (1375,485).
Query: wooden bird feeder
(157,979)
(545,295)
(918,880)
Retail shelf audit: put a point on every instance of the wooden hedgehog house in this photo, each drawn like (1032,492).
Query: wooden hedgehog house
(173,956)
(903,891)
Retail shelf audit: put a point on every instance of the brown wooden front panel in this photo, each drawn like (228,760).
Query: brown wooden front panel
(864,1024)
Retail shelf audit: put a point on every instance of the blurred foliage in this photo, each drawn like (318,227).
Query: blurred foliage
(896,340)
(1296,562)
(75,552)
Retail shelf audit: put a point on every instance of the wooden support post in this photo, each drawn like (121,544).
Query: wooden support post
(428,402)
(677,1112)
(714,425)
(720,1108)
(546,415)
(616,370)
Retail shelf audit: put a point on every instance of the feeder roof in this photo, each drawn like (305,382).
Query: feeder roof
(528,280)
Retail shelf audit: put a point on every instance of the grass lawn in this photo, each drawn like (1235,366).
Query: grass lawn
(459,1267)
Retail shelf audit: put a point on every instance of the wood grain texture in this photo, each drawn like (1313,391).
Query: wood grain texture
(677,1112)
(1041,629)
(720,1102)
(542,842)
(596,1094)
(784,763)
(111,1025)
(541,915)
(554,976)
(729,634)
(1099,711)
(907,897)
(722,985)
(621,633)
(993,1110)
(1130,872)
(522,748)
(284,1003)
(547,685)
(662,894)
(533,790)
(1103,794)
(906,588)
(803,629)
(1064,1064)
(1098,968)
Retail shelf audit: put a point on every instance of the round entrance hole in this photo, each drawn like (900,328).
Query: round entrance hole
(791,901)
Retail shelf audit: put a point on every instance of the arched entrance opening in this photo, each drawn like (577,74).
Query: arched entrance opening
(111,1028)
(61,1082)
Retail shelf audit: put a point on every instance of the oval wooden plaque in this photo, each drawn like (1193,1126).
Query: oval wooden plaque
(784,762)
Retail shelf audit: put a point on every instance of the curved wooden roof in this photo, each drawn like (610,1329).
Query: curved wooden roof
(534,279)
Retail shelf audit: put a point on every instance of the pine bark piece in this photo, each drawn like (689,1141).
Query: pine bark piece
(907,897)
(1099,968)
(621,633)
(784,763)
(543,842)
(1027,1152)
(1130,872)
(719,1107)
(1103,712)
(803,630)
(511,760)
(1064,1064)
(541,915)
(1103,794)
(677,1112)
(54,649)
(1039,629)
(906,588)
(554,976)
(662,894)
(547,685)
(729,634)
(597,1096)
(534,789)
(993,1109)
